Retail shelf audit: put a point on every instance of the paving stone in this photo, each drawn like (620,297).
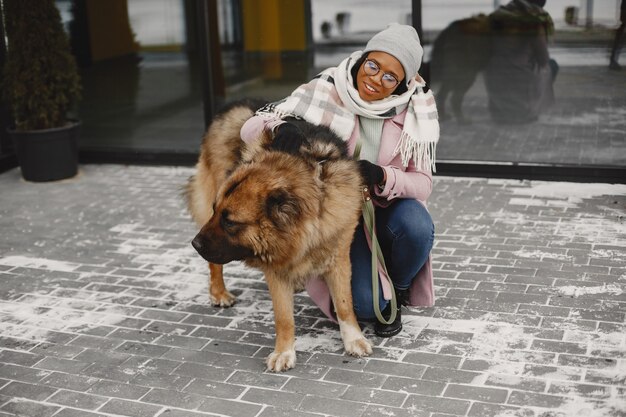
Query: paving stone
(437,404)
(29,391)
(204,371)
(71,412)
(230,408)
(340,361)
(394,368)
(69,381)
(145,364)
(19,358)
(173,398)
(21,373)
(96,342)
(170,332)
(559,347)
(414,386)
(135,335)
(172,412)
(586,361)
(364,379)
(493,410)
(377,411)
(20,408)
(284,412)
(102,357)
(374,396)
(284,400)
(443,361)
(118,390)
(449,375)
(537,399)
(331,406)
(142,349)
(161,380)
(58,351)
(77,400)
(231,348)
(258,379)
(319,388)
(520,383)
(476,393)
(130,408)
(108,372)
(215,389)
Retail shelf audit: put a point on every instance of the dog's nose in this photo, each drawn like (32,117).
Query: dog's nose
(197,243)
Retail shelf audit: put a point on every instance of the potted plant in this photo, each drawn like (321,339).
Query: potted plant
(40,85)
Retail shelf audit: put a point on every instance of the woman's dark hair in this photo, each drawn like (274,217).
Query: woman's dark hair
(400,89)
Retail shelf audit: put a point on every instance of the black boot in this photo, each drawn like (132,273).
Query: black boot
(388,330)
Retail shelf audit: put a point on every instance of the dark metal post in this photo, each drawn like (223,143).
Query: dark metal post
(416,17)
(204,33)
(589,20)
(5,117)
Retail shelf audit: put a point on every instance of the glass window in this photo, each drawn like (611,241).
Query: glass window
(140,71)
(513,86)
(527,85)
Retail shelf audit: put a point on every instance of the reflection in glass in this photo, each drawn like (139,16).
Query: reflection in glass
(140,74)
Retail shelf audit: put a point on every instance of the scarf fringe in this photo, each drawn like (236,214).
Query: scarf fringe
(423,153)
(271,111)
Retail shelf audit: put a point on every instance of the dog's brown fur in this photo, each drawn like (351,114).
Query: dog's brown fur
(291,216)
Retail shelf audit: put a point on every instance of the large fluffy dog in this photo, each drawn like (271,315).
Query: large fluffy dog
(291,216)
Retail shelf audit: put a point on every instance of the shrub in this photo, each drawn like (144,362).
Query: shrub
(40,76)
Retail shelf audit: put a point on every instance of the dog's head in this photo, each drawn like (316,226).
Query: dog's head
(259,212)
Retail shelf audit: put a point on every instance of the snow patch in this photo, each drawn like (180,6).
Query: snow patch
(537,254)
(327,341)
(38,263)
(570,191)
(581,407)
(573,291)
(124,228)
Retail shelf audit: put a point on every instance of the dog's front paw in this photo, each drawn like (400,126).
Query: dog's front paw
(281,361)
(358,347)
(223,299)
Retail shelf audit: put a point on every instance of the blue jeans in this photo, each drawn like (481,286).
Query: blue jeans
(405,233)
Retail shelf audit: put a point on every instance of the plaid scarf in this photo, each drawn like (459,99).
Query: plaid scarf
(330,99)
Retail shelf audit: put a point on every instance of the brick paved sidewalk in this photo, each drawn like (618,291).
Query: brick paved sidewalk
(104,310)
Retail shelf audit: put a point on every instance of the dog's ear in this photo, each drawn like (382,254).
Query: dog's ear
(282,208)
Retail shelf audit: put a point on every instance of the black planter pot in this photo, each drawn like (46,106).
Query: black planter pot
(49,154)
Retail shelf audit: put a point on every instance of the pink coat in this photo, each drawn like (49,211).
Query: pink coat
(401,183)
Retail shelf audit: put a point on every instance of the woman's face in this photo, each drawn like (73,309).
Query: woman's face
(370,87)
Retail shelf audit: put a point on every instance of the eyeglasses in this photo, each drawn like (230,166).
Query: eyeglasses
(371,68)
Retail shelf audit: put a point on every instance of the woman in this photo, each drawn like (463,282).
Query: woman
(375,101)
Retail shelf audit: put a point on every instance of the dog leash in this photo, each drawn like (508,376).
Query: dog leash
(378,262)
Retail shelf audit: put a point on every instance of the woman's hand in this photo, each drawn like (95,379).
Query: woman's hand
(372,174)
(288,138)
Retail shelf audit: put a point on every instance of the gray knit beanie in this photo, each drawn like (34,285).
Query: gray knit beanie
(402,42)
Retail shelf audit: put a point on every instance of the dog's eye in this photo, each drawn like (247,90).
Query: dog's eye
(226,223)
